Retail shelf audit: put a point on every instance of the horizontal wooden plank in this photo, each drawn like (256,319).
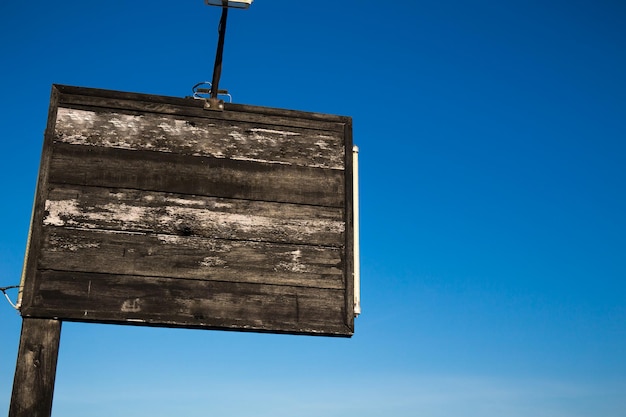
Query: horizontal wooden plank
(129,210)
(182,174)
(231,113)
(201,137)
(187,257)
(182,303)
(70,96)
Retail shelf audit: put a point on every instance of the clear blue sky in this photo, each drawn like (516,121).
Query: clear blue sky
(493,178)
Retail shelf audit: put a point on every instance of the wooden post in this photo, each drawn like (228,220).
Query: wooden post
(33,386)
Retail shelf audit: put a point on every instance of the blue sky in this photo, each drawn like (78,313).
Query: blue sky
(493,226)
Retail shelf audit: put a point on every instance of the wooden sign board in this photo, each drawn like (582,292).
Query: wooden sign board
(152,210)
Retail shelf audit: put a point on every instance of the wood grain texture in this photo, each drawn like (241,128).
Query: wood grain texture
(151,210)
(174,173)
(91,98)
(28,280)
(188,257)
(136,211)
(35,373)
(207,304)
(201,137)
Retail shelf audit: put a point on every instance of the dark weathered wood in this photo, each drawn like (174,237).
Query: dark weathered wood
(201,137)
(29,282)
(137,211)
(175,173)
(80,97)
(151,210)
(208,304)
(33,385)
(189,257)
(232,112)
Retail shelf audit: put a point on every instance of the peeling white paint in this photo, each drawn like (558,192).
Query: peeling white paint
(123,212)
(170,239)
(57,209)
(322,145)
(59,244)
(181,201)
(278,132)
(216,154)
(296,255)
(237,136)
(66,213)
(242,158)
(131,306)
(177,127)
(218,247)
(294,265)
(166,134)
(63,246)
(211,261)
(125,122)
(137,320)
(211,217)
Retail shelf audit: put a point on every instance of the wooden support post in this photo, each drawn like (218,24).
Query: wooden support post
(33,386)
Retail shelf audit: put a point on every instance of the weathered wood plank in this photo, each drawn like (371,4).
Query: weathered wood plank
(201,137)
(28,280)
(33,385)
(188,257)
(71,96)
(147,300)
(176,214)
(232,112)
(157,171)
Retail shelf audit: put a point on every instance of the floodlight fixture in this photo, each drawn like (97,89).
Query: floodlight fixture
(236,4)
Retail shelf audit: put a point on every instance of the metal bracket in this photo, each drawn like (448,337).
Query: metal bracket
(201,92)
(214,104)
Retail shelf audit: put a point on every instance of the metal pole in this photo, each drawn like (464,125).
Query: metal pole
(217,69)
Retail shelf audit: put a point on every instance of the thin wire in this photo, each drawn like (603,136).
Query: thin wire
(4,291)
